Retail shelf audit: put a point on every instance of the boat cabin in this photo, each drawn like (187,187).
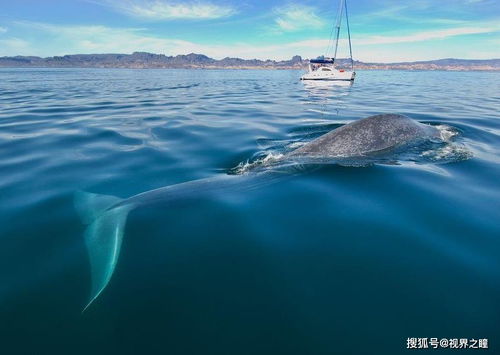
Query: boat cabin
(321,63)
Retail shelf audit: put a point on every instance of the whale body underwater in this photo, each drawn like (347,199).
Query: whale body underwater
(105,216)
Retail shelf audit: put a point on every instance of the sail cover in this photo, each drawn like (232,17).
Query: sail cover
(321,61)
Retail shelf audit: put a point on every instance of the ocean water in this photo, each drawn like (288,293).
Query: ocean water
(338,260)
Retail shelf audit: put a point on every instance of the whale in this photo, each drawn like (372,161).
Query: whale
(105,216)
(368,137)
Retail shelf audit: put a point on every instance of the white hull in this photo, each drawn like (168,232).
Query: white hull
(331,74)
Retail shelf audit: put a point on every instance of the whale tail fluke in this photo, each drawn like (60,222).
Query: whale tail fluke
(103,235)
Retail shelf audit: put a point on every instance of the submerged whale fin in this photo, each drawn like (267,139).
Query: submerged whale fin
(103,236)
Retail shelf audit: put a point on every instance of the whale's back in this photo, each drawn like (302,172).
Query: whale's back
(363,137)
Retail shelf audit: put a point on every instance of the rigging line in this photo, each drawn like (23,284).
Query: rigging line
(330,41)
(339,23)
(349,34)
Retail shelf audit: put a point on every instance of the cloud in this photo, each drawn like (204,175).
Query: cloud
(16,45)
(49,40)
(429,35)
(98,39)
(3,29)
(158,10)
(71,39)
(296,17)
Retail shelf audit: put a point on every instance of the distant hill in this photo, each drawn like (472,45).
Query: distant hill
(439,64)
(149,60)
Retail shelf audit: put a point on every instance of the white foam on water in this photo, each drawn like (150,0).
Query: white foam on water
(448,153)
(266,160)
(446,132)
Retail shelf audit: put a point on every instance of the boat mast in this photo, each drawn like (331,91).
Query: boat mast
(339,22)
(348,34)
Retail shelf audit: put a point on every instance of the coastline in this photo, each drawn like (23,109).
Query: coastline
(142,60)
(493,70)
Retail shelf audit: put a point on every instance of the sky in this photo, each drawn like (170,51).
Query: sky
(381,30)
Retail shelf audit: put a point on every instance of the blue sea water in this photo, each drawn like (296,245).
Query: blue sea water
(340,260)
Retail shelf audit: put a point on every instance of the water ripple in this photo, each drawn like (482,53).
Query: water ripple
(405,249)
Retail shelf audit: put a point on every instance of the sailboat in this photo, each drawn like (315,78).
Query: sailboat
(323,68)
